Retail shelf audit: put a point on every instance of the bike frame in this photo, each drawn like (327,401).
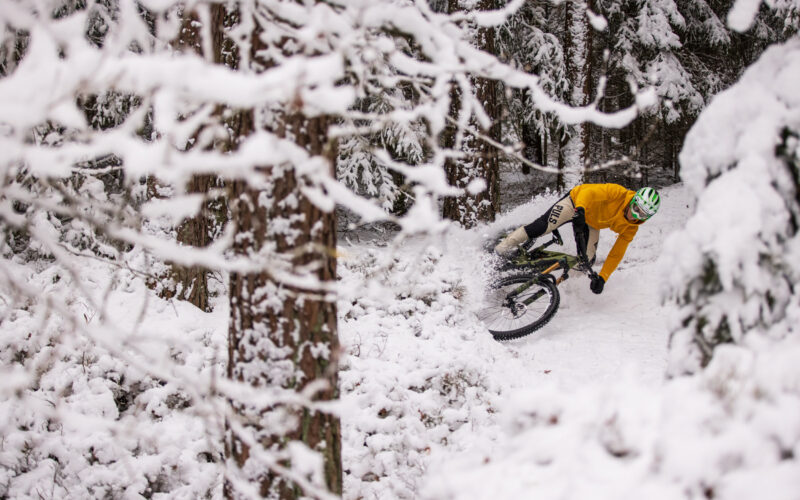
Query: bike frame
(557,260)
(543,262)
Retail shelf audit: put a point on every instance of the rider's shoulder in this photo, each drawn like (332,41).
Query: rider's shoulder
(606,190)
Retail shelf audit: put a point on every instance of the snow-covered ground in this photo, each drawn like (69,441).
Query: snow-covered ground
(442,389)
(434,408)
(427,396)
(107,391)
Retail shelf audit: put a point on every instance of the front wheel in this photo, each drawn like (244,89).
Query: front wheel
(520,304)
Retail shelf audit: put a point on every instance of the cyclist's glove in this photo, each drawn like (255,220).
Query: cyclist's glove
(581,230)
(597,283)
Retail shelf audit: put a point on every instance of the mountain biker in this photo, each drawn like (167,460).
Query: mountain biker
(591,207)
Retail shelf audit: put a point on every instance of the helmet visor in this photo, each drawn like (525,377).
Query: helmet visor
(639,212)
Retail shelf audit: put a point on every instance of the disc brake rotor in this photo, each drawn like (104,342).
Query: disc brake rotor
(517,309)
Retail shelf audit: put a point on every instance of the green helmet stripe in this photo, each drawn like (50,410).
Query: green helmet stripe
(649,199)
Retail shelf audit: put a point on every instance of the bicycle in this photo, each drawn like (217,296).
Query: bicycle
(525,297)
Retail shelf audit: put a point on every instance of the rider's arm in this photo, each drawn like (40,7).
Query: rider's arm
(616,253)
(581,231)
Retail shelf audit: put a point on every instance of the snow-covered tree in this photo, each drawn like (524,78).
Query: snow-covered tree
(477,172)
(574,154)
(530,41)
(734,270)
(686,53)
(360,169)
(260,109)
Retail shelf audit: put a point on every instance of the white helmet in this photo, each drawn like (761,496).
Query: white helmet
(645,203)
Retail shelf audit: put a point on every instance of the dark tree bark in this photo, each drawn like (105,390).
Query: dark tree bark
(533,142)
(12,49)
(483,162)
(563,139)
(278,342)
(191,283)
(199,231)
(281,335)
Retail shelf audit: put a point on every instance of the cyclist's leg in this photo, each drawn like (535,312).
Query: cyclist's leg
(560,213)
(556,216)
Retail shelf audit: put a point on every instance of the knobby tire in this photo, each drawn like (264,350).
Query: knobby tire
(503,323)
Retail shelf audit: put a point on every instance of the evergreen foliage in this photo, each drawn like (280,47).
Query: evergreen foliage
(737,279)
(203,152)
(682,49)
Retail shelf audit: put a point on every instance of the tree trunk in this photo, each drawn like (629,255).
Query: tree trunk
(545,157)
(199,231)
(483,162)
(532,140)
(191,283)
(13,46)
(561,178)
(281,335)
(293,341)
(588,79)
(578,66)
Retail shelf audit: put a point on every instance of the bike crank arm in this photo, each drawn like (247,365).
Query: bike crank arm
(564,265)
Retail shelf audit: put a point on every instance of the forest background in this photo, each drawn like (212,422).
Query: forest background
(215,153)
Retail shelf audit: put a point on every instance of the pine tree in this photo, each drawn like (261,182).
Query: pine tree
(529,39)
(481,166)
(282,335)
(740,291)
(684,50)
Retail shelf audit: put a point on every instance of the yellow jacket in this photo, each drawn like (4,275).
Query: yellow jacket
(604,205)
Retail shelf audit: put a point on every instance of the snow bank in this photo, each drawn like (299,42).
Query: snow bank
(86,421)
(414,378)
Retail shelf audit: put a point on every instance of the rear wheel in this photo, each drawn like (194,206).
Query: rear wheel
(519,304)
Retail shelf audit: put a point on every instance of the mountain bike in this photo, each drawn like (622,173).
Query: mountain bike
(525,295)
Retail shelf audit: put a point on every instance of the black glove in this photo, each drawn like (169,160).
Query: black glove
(597,283)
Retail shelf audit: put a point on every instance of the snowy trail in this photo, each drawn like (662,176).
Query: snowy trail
(596,347)
(425,385)
(599,338)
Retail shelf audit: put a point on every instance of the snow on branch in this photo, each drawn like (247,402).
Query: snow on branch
(92,200)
